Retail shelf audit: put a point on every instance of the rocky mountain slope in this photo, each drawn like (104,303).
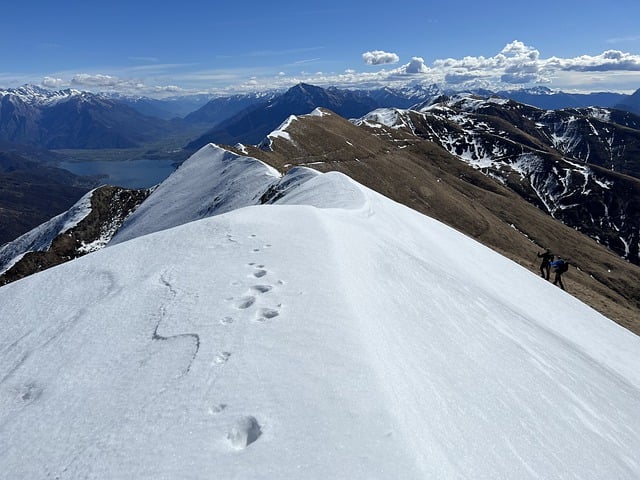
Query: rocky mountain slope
(425,176)
(86,227)
(582,166)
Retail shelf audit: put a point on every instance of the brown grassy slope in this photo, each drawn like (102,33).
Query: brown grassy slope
(428,179)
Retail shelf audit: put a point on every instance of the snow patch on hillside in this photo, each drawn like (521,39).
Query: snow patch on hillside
(40,238)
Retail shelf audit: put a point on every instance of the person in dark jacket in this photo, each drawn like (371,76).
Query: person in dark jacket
(559,267)
(547,258)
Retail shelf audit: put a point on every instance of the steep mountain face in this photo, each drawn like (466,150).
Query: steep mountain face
(219,109)
(565,162)
(72,119)
(86,227)
(252,125)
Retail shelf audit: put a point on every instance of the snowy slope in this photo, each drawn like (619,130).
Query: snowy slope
(40,238)
(210,182)
(333,334)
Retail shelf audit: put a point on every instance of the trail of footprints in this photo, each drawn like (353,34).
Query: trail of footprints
(254,299)
(250,298)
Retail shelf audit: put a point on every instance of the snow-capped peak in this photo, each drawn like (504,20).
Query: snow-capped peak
(38,96)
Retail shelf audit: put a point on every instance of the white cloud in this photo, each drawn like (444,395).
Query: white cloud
(515,65)
(416,65)
(379,57)
(54,83)
(84,79)
(169,89)
(610,60)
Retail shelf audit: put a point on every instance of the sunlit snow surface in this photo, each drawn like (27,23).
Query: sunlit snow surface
(334,334)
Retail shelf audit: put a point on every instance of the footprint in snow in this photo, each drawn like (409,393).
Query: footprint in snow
(262,288)
(259,273)
(244,432)
(265,314)
(245,302)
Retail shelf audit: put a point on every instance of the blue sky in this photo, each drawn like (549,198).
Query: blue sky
(155,49)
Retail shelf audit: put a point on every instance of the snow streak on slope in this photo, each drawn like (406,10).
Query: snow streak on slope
(41,237)
(281,131)
(334,334)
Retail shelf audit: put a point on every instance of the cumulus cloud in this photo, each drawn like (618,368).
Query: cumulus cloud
(51,82)
(518,64)
(455,78)
(416,65)
(515,65)
(379,57)
(609,60)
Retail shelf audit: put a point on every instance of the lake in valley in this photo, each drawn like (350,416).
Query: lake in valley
(142,173)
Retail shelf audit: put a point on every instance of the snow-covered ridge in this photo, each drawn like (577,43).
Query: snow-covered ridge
(322,336)
(215,181)
(212,181)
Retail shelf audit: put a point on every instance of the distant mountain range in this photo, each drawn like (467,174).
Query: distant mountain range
(254,119)
(71,119)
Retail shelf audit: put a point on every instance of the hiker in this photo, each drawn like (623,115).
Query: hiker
(559,267)
(547,258)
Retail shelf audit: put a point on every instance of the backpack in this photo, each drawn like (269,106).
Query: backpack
(560,266)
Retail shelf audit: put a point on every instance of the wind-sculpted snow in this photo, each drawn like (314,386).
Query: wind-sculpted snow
(210,182)
(329,190)
(333,334)
(215,181)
